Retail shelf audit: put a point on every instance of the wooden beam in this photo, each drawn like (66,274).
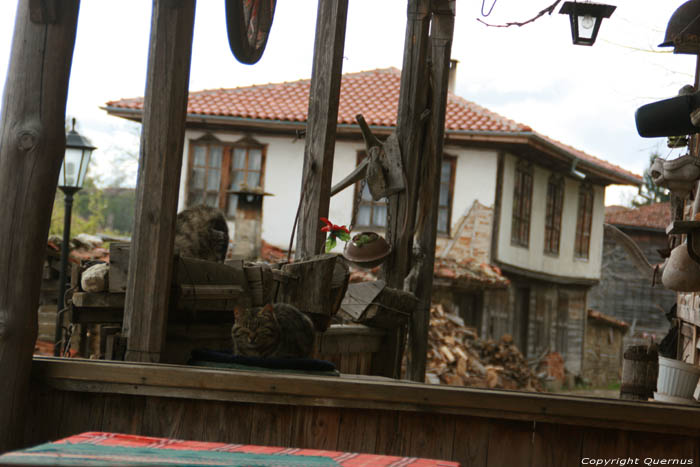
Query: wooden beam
(411,133)
(32,142)
(321,127)
(441,32)
(160,162)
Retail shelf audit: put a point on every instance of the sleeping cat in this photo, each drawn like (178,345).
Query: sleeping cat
(275,330)
(201,232)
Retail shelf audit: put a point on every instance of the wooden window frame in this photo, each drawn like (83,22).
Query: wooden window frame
(553,215)
(522,204)
(584,221)
(452,160)
(246,142)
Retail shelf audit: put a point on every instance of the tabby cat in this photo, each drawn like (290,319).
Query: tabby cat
(275,330)
(201,232)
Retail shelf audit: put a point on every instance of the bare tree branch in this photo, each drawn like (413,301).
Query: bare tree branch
(549,10)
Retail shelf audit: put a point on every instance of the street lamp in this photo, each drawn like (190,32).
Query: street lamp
(585,20)
(70,181)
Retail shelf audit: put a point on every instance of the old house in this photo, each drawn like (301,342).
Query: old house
(509,197)
(603,349)
(624,292)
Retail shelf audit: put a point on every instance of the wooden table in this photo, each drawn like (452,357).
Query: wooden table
(100,448)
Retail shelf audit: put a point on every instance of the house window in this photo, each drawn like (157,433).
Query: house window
(219,171)
(584,221)
(373,214)
(447,184)
(552,222)
(522,205)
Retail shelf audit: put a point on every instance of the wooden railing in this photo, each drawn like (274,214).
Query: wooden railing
(352,413)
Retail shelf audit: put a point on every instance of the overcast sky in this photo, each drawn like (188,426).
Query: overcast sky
(583,96)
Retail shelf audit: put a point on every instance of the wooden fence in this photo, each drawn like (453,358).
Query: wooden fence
(353,413)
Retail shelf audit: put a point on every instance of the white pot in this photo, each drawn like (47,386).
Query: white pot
(676,378)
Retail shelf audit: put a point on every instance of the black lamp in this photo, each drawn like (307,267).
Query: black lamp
(585,20)
(70,180)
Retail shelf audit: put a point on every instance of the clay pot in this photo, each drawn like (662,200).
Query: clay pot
(369,254)
(681,273)
(678,175)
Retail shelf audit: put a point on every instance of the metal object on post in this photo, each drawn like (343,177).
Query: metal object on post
(585,20)
(683,30)
(248,23)
(70,181)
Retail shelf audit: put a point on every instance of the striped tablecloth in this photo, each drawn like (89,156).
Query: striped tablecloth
(95,448)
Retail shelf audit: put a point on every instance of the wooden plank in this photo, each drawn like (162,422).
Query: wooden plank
(307,285)
(605,444)
(162,416)
(321,127)
(210,292)
(510,443)
(441,32)
(98,300)
(357,430)
(557,445)
(663,446)
(118,266)
(471,441)
(43,417)
(160,162)
(181,381)
(429,437)
(359,296)
(316,427)
(350,338)
(389,434)
(123,414)
(227,422)
(32,146)
(81,413)
(271,425)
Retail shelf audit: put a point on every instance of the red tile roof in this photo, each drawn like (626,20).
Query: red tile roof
(655,216)
(374,94)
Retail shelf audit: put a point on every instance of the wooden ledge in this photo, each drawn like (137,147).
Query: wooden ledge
(148,379)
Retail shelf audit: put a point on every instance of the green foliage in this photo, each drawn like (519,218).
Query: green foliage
(95,211)
(649,193)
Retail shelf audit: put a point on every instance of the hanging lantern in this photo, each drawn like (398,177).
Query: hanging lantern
(585,20)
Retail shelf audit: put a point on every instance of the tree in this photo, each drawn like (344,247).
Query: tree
(649,192)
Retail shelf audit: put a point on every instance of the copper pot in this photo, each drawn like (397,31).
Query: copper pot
(367,250)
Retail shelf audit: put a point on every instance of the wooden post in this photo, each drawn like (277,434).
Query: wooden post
(321,126)
(411,134)
(32,145)
(160,163)
(411,127)
(441,32)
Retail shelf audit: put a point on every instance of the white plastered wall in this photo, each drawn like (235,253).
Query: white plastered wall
(282,178)
(533,257)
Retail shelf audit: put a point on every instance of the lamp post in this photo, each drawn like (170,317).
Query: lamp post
(70,181)
(585,20)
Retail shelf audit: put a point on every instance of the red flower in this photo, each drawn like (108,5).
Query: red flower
(325,228)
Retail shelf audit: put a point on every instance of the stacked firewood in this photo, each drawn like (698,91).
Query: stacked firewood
(456,356)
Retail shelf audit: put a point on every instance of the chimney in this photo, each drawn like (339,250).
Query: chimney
(452,80)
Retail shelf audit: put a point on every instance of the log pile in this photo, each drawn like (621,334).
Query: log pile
(456,356)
